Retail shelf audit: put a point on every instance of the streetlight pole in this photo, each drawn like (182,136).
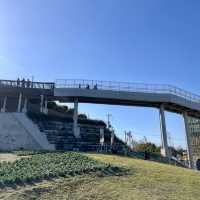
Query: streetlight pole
(108,119)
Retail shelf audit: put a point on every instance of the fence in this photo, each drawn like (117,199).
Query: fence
(26,84)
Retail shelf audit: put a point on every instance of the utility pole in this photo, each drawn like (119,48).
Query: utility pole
(108,118)
(32,78)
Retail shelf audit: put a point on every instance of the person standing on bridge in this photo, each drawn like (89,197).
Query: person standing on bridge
(18,82)
(23,83)
(28,83)
(88,86)
(95,87)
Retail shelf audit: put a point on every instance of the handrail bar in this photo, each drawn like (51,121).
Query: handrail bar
(27,84)
(26,81)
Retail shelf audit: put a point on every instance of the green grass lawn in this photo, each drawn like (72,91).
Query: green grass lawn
(145,180)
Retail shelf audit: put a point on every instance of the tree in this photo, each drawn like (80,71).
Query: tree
(148,147)
(82,116)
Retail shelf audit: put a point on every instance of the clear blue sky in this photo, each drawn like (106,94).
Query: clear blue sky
(153,41)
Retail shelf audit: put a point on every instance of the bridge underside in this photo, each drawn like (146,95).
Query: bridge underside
(105,97)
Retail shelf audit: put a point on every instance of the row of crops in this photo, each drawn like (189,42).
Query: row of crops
(48,165)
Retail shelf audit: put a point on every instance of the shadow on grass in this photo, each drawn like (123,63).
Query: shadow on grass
(112,171)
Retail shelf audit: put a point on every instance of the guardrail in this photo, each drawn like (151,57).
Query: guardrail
(26,84)
(127,87)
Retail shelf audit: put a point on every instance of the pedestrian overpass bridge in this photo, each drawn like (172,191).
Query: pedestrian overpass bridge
(163,97)
(106,92)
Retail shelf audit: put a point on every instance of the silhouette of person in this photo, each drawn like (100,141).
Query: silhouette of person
(28,83)
(18,82)
(23,83)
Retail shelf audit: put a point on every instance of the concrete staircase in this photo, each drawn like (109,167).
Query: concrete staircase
(59,132)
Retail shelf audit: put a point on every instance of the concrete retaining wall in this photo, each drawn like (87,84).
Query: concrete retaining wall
(17,131)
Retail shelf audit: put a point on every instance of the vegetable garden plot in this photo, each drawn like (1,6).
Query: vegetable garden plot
(49,165)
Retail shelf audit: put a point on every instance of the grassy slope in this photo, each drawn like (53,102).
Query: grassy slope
(147,180)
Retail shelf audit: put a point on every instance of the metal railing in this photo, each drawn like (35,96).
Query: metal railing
(26,84)
(127,87)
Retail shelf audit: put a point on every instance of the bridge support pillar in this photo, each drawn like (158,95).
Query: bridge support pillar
(112,137)
(101,136)
(45,110)
(41,103)
(189,151)
(75,119)
(3,109)
(164,143)
(19,103)
(24,109)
